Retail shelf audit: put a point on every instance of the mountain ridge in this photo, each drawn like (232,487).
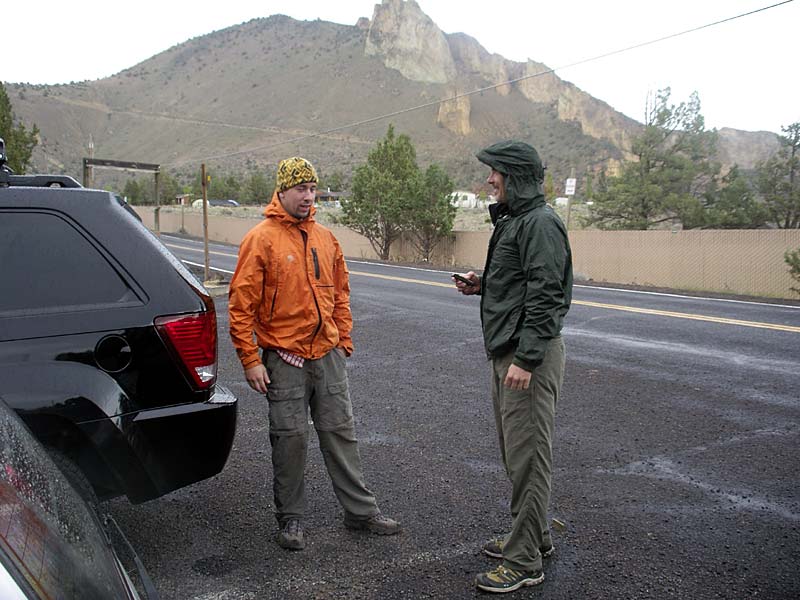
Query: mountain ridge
(234,98)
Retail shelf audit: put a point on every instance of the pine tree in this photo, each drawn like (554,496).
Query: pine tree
(384,193)
(19,141)
(735,205)
(779,180)
(793,260)
(672,177)
(432,218)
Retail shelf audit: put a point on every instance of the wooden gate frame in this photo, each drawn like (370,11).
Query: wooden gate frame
(89,163)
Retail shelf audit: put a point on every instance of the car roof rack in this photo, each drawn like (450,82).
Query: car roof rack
(8,179)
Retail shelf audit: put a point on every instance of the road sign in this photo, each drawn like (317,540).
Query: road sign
(569,188)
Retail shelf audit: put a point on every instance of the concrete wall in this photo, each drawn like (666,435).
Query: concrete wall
(748,262)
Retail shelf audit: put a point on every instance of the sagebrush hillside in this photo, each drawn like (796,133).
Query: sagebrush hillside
(244,97)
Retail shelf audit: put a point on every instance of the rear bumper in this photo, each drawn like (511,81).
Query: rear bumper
(164,449)
(187,443)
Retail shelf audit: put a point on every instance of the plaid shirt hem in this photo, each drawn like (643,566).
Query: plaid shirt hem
(291,359)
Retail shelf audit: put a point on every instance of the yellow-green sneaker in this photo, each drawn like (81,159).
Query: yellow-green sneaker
(503,579)
(494,547)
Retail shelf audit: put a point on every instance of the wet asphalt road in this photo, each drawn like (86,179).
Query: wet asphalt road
(676,459)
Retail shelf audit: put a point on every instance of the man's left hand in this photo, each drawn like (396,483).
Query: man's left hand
(517,378)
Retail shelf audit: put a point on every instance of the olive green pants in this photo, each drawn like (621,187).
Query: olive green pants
(525,423)
(321,386)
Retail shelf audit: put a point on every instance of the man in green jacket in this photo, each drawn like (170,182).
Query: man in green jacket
(526,290)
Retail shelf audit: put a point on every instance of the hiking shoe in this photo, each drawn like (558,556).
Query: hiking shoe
(377,524)
(503,579)
(290,535)
(494,548)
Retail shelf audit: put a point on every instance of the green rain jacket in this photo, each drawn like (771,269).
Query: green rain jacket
(526,287)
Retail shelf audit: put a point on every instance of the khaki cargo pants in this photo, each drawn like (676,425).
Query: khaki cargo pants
(321,386)
(525,422)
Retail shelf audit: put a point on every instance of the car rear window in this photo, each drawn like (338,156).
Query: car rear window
(173,260)
(49,265)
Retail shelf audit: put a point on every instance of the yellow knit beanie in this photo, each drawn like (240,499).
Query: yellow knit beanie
(294,171)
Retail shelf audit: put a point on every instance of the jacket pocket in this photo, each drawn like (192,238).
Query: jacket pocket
(326,299)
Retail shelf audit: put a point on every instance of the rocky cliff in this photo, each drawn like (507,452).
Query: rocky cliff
(472,60)
(745,148)
(406,39)
(454,114)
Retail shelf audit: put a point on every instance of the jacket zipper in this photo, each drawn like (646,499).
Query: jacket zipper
(272,306)
(316,262)
(313,291)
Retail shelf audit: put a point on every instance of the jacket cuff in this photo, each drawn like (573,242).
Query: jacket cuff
(250,361)
(525,364)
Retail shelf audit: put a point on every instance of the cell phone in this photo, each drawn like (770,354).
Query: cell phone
(463,279)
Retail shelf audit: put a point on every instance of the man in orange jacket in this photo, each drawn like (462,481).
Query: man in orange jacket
(291,289)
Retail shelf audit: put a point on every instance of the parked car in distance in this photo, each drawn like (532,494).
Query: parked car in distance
(108,344)
(52,544)
(229,203)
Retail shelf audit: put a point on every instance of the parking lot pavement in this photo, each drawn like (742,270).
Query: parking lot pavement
(675,471)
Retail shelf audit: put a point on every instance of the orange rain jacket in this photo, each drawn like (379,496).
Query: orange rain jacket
(291,288)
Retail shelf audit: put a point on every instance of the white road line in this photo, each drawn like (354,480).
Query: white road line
(194,264)
(596,287)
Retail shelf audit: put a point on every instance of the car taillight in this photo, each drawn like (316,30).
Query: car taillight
(193,340)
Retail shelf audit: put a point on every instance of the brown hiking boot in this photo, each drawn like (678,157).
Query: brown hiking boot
(377,524)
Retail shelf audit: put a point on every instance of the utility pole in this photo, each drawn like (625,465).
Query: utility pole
(89,177)
(204,182)
(157,210)
(158,188)
(183,198)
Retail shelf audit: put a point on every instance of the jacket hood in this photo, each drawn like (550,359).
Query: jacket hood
(522,169)
(275,210)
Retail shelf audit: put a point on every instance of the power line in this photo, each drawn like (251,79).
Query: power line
(487,88)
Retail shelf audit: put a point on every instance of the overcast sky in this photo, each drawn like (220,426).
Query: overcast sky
(745,70)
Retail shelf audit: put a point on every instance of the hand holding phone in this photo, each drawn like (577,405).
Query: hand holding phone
(463,279)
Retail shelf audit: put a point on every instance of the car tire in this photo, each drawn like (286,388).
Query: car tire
(72,472)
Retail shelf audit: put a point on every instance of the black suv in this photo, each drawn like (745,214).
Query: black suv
(108,344)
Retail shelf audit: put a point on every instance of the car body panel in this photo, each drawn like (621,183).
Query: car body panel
(91,367)
(52,545)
